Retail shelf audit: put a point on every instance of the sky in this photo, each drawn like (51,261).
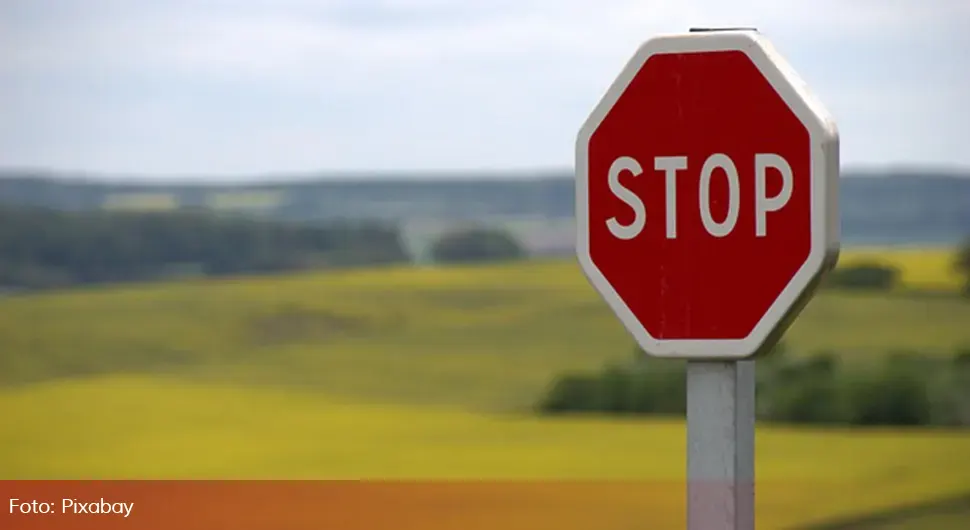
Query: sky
(230,89)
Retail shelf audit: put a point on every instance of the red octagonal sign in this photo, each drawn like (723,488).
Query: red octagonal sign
(706,186)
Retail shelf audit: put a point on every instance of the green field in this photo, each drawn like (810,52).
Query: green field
(482,338)
(312,376)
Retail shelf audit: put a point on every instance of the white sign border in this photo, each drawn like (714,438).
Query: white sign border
(825,235)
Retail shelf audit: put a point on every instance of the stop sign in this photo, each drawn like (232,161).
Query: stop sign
(706,186)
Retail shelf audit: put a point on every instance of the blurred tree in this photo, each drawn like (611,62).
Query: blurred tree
(963,266)
(893,395)
(45,249)
(868,276)
(902,389)
(571,393)
(476,244)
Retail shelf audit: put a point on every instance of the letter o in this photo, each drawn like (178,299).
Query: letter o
(723,228)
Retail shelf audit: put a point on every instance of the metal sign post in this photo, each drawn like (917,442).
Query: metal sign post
(720,445)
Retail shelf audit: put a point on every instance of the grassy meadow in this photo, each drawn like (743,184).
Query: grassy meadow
(430,373)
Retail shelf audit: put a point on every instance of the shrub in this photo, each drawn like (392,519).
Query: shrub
(905,389)
(924,366)
(894,395)
(814,400)
(657,387)
(571,393)
(805,391)
(954,394)
(475,245)
(660,387)
(962,357)
(962,265)
(615,390)
(864,276)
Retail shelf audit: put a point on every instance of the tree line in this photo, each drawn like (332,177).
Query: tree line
(41,248)
(902,389)
(46,248)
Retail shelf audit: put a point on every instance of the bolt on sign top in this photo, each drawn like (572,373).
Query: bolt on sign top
(706,195)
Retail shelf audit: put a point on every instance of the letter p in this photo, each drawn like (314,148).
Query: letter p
(762,203)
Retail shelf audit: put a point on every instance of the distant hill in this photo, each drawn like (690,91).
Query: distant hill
(909,207)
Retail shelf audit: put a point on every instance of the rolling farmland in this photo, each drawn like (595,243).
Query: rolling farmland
(309,376)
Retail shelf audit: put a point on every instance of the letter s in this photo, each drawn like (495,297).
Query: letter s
(632,230)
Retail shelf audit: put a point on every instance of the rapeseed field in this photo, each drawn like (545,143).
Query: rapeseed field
(429,374)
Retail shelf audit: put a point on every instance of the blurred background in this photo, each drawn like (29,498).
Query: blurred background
(334,239)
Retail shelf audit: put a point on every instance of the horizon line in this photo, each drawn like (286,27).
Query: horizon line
(437,174)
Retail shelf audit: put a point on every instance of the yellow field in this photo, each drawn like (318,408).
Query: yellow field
(142,202)
(152,427)
(245,200)
(424,373)
(485,338)
(920,268)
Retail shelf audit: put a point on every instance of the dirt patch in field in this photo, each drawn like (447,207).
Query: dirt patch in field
(296,324)
(478,299)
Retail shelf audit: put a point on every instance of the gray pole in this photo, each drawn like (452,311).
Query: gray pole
(720,445)
(720,437)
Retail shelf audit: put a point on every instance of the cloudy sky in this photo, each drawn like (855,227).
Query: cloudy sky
(235,88)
